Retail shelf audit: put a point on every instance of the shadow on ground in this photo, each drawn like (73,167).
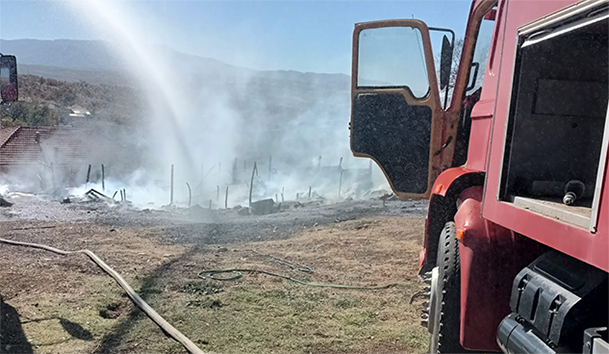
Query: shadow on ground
(12,337)
(113,340)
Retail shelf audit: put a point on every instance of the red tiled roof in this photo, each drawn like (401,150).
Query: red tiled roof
(60,146)
(6,133)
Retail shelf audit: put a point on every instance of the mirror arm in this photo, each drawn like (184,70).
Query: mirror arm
(448,30)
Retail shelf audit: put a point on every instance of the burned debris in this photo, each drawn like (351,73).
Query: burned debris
(4,203)
(263,207)
(74,165)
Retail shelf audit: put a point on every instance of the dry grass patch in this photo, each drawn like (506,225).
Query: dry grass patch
(254,314)
(262,314)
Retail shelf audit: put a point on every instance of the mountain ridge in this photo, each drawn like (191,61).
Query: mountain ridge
(68,59)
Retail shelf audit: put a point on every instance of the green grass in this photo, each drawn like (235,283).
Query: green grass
(286,318)
(71,323)
(252,315)
(224,317)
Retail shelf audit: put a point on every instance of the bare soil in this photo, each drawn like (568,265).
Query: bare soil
(57,304)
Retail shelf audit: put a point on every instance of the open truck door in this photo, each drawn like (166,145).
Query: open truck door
(8,78)
(396,114)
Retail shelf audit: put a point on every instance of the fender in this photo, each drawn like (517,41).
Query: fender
(442,208)
(491,256)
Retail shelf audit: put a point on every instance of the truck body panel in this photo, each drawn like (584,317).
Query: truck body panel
(572,240)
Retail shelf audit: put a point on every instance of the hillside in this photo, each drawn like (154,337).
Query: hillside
(111,78)
(86,60)
(49,102)
(260,113)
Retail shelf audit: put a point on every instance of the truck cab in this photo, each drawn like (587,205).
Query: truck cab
(509,144)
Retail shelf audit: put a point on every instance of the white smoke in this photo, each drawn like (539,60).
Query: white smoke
(213,125)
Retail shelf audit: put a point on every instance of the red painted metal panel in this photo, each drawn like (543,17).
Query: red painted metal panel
(440,187)
(577,242)
(446,178)
(482,113)
(423,256)
(491,256)
(477,153)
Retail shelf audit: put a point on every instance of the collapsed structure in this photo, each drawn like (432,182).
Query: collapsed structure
(47,158)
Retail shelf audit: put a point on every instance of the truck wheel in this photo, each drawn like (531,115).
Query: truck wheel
(443,308)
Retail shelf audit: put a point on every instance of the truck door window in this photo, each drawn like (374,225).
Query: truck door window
(481,52)
(392,57)
(4,75)
(473,86)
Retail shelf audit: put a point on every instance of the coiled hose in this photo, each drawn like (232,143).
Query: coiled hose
(238,273)
(137,300)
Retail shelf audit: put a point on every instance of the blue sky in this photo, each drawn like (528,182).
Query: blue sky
(305,36)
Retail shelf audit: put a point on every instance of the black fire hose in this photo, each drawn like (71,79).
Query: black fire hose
(238,273)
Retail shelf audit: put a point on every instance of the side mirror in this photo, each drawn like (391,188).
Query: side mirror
(8,78)
(446,59)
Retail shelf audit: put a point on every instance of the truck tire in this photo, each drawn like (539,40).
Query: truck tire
(445,332)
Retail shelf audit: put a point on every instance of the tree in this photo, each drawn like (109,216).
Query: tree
(27,113)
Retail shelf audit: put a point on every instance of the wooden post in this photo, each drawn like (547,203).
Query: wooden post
(270,166)
(53,176)
(210,204)
(114,195)
(122,198)
(254,170)
(340,182)
(88,173)
(297,195)
(226,199)
(171,187)
(125,194)
(340,162)
(282,189)
(309,192)
(200,201)
(103,178)
(189,194)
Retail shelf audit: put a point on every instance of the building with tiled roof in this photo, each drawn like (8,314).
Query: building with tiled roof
(55,154)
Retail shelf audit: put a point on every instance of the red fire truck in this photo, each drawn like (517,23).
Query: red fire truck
(511,151)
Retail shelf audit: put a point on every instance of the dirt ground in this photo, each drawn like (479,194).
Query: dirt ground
(58,304)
